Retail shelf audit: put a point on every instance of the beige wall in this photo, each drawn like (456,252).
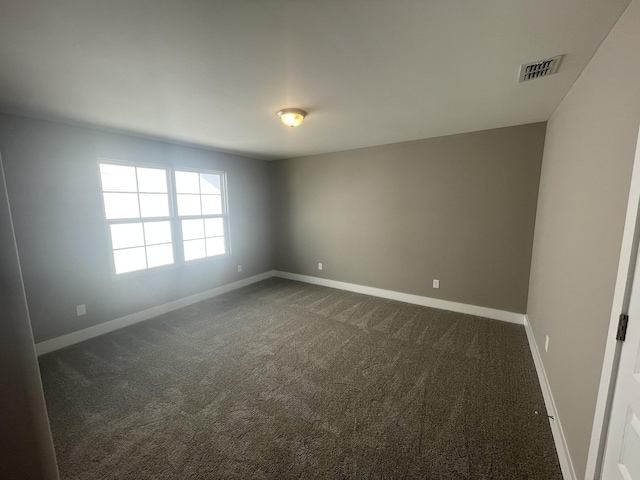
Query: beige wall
(54,188)
(460,209)
(586,173)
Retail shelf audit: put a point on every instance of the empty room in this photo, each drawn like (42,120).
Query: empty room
(319,239)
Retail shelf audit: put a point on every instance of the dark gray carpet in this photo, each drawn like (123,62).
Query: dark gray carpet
(287,380)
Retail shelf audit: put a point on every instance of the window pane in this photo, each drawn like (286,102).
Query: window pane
(192,229)
(129,260)
(121,205)
(157,232)
(187,182)
(118,178)
(159,255)
(194,249)
(214,227)
(215,246)
(210,183)
(125,235)
(211,204)
(153,180)
(188,205)
(154,205)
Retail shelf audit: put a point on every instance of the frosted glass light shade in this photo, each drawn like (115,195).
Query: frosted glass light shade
(292,117)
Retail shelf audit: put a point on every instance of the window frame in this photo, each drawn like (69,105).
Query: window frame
(224,215)
(174,219)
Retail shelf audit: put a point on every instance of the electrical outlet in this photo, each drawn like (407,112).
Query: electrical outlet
(81,310)
(239,268)
(319,266)
(546,343)
(436,283)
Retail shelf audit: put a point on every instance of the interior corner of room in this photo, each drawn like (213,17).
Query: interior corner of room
(533,223)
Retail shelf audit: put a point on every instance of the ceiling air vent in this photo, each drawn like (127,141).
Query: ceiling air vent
(541,68)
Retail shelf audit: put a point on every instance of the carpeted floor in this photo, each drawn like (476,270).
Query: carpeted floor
(284,380)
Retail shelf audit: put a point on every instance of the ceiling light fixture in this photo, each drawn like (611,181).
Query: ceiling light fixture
(292,117)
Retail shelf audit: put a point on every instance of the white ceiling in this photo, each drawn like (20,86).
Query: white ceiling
(370,72)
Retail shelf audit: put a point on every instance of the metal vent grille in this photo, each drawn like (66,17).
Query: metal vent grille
(541,68)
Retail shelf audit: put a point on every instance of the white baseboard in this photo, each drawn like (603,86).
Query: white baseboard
(106,327)
(510,317)
(556,427)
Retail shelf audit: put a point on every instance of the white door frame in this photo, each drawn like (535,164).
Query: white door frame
(622,292)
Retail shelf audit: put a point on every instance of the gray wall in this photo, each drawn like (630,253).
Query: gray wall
(586,173)
(459,208)
(26,447)
(54,188)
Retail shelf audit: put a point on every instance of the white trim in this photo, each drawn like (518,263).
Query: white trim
(85,334)
(510,317)
(566,464)
(623,281)
(106,327)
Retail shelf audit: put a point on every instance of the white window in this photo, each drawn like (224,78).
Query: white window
(146,206)
(201,209)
